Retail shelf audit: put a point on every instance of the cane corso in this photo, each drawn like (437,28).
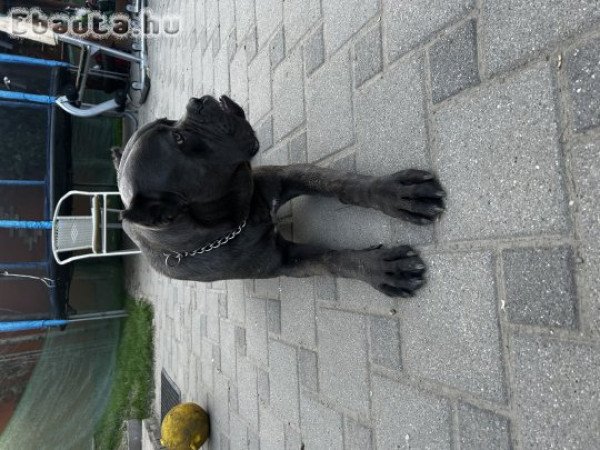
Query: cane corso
(199,211)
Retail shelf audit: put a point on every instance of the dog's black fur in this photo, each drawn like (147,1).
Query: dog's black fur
(185,184)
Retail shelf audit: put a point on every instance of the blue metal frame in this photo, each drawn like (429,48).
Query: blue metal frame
(17,59)
(22,183)
(25,97)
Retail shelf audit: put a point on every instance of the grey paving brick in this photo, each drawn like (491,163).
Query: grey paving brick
(343,18)
(385,342)
(216,356)
(250,44)
(226,18)
(307,365)
(277,156)
(403,233)
(360,296)
(238,77)
(583,65)
(515,31)
(329,108)
(293,440)
(211,9)
(256,329)
(452,343)
(222,305)
(212,321)
(411,23)
(298,311)
(288,96)
(221,65)
(277,49)
(482,429)
(461,344)
(503,142)
(244,16)
(259,85)
(240,341)
(343,365)
(283,381)
(380,107)
(247,391)
(235,300)
(200,22)
(220,406)
(224,442)
(238,433)
(346,163)
(272,434)
(314,51)
(233,398)
(268,18)
(298,18)
(263,386)
(586,173)
(219,284)
(228,347)
(196,336)
(405,417)
(267,287)
(368,57)
(321,426)
(298,149)
(253,441)
(207,366)
(274,316)
(216,43)
(556,392)
(325,288)
(231,45)
(207,73)
(356,435)
(540,288)
(453,62)
(264,134)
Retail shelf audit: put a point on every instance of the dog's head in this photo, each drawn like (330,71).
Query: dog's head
(193,170)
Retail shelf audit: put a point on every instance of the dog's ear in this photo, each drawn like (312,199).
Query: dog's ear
(154,209)
(232,207)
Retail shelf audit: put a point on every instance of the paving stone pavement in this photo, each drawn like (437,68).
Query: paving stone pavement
(501,98)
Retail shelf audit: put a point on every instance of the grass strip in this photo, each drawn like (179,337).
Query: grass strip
(130,395)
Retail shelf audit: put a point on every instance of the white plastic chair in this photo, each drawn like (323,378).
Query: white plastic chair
(90,232)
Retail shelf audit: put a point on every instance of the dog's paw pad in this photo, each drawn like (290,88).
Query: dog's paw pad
(413,195)
(398,271)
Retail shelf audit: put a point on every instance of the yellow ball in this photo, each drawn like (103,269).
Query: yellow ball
(186,426)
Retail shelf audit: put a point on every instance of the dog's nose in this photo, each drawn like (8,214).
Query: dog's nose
(198,104)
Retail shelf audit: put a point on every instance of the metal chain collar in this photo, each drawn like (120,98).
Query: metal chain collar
(172,259)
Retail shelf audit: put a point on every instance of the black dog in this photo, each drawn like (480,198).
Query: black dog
(199,212)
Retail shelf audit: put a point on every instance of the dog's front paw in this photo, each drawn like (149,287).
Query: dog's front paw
(397,271)
(413,195)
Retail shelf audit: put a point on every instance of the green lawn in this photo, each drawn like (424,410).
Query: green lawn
(131,390)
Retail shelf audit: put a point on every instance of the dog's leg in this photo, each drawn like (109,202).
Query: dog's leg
(413,195)
(396,271)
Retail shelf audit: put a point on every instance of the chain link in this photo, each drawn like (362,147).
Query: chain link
(176,257)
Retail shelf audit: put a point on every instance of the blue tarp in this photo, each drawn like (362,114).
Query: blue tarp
(16,59)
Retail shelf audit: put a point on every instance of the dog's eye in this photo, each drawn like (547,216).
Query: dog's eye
(179,140)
